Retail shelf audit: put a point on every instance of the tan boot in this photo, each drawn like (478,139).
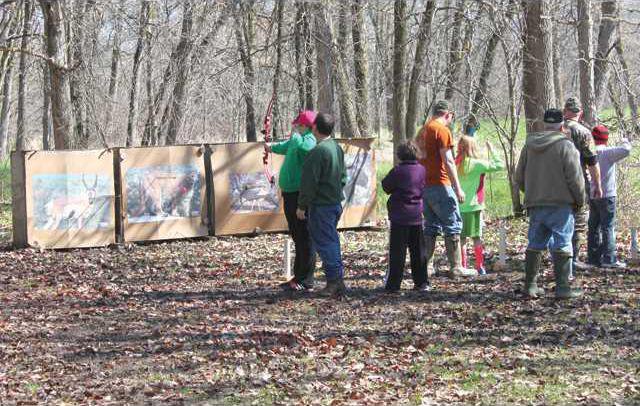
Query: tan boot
(454,255)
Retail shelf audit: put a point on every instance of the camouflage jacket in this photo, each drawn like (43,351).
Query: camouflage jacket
(583,141)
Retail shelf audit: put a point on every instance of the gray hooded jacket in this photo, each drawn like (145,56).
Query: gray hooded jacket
(549,171)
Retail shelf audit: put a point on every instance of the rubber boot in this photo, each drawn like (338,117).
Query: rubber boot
(454,255)
(478,251)
(531,268)
(562,268)
(429,249)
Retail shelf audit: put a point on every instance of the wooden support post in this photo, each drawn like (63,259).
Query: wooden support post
(502,247)
(287,259)
(634,245)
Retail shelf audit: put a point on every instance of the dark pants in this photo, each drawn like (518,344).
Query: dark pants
(601,240)
(323,223)
(305,260)
(400,238)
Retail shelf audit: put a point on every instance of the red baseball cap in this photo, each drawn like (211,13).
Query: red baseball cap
(600,133)
(305,118)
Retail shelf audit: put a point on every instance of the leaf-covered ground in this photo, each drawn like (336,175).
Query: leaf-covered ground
(201,322)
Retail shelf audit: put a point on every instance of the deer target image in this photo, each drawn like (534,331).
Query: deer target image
(72,201)
(252,192)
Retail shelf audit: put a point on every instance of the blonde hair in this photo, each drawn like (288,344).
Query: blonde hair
(467,148)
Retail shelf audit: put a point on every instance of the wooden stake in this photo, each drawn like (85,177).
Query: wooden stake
(502,256)
(287,259)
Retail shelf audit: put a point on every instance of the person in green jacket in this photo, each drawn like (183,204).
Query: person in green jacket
(471,172)
(295,149)
(324,175)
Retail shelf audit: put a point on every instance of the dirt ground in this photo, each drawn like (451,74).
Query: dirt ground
(202,322)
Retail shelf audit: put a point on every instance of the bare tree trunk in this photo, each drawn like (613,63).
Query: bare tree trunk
(22,74)
(323,59)
(382,48)
(245,35)
(132,120)
(614,94)
(626,83)
(609,11)
(557,70)
(183,69)
(487,66)
(399,50)
(5,110)
(585,61)
(114,70)
(537,78)
(455,51)
(307,55)
(60,103)
(348,126)
(278,67)
(75,78)
(424,33)
(46,108)
(360,67)
(299,53)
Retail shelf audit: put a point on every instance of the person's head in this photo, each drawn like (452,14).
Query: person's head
(553,120)
(572,108)
(472,126)
(323,125)
(600,134)
(407,151)
(468,147)
(442,111)
(304,120)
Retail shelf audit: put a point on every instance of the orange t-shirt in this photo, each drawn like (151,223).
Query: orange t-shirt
(432,138)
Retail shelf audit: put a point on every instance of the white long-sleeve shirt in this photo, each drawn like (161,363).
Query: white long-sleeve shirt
(607,158)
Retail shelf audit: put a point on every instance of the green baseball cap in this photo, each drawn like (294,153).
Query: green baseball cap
(441,106)
(573,104)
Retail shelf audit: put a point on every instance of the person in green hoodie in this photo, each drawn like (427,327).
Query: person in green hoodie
(471,173)
(324,175)
(295,149)
(550,175)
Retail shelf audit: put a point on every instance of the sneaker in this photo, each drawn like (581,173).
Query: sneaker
(425,287)
(292,286)
(482,271)
(615,265)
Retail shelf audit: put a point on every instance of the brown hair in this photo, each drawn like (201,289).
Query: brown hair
(407,151)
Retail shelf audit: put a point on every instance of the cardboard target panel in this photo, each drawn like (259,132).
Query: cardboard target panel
(244,200)
(359,206)
(63,199)
(164,193)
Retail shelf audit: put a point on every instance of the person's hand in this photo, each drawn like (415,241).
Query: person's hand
(267,147)
(300,214)
(460,195)
(597,192)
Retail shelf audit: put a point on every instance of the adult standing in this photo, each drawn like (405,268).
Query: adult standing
(295,149)
(583,141)
(550,176)
(324,175)
(442,191)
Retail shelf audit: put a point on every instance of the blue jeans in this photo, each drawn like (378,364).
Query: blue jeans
(601,239)
(551,227)
(441,211)
(323,223)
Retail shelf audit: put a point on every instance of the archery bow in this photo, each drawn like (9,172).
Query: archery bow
(266,132)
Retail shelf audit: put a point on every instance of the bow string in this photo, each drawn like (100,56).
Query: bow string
(266,132)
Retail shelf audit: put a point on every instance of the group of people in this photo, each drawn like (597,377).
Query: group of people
(434,192)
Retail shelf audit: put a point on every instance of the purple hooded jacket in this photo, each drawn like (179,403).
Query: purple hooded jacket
(405,184)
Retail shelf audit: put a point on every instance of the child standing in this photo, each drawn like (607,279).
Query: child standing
(471,171)
(405,183)
(601,240)
(295,149)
